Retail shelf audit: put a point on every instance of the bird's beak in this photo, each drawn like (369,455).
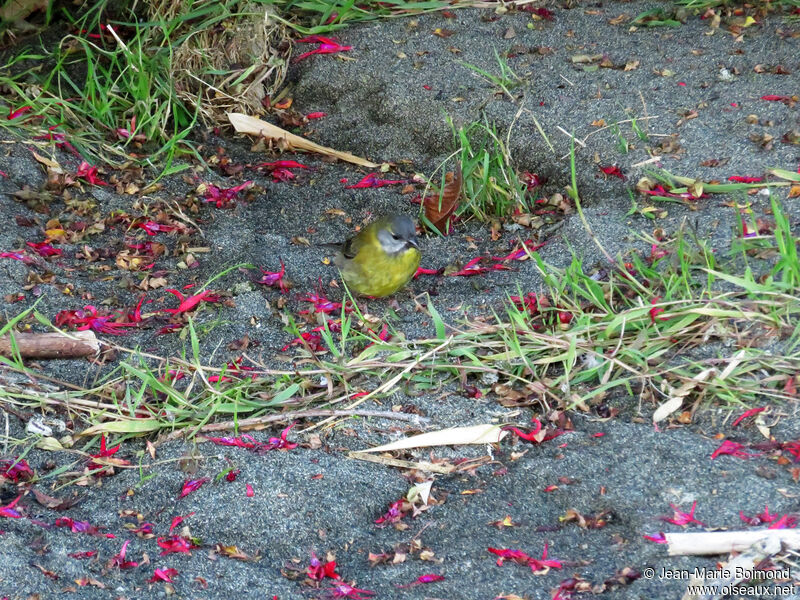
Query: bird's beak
(413,242)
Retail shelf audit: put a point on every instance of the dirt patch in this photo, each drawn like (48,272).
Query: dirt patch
(387,99)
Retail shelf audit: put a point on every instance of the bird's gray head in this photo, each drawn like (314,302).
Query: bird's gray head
(397,233)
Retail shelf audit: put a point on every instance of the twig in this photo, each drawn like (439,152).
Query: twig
(50,344)
(569,135)
(725,542)
(646,162)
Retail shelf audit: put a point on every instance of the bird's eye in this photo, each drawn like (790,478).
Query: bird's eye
(395,236)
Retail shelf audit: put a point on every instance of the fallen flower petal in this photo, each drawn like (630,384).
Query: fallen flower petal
(81,527)
(322,304)
(223,197)
(397,510)
(529,304)
(422,271)
(372,181)
(520,253)
(745,179)
(144,530)
(17,256)
(748,413)
(776,98)
(683,518)
(383,336)
(178,520)
(656,539)
(656,252)
(660,190)
(13,114)
(656,310)
(164,575)
(15,470)
(760,519)
(326,46)
(317,570)
(44,249)
(282,443)
(119,560)
(89,173)
(539,566)
(732,448)
(613,171)
(531,435)
(187,304)
(175,544)
(104,453)
(250,443)
(88,318)
(430,578)
(785,522)
(531,180)
(313,338)
(344,590)
(151,227)
(472,268)
(192,485)
(9,511)
(274,278)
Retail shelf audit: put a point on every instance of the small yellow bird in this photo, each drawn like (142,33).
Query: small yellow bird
(381,258)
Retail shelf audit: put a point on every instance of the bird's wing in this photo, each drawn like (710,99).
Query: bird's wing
(350,247)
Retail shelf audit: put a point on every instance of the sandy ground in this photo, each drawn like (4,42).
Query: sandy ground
(388,101)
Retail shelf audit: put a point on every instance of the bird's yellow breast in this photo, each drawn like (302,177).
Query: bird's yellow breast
(373,272)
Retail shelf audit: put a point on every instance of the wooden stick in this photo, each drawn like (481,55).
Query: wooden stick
(51,345)
(725,542)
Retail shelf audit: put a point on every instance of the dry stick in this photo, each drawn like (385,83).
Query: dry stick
(51,345)
(725,542)
(653,159)
(245,424)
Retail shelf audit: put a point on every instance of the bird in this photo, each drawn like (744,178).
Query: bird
(381,258)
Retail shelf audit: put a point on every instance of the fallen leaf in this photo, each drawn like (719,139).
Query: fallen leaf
(440,208)
(253,126)
(453,436)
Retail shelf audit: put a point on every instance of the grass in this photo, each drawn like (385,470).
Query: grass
(504,80)
(491,184)
(134,94)
(592,336)
(324,16)
(788,7)
(683,322)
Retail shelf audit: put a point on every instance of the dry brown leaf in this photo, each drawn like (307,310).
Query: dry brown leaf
(55,503)
(253,126)
(439,210)
(17,10)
